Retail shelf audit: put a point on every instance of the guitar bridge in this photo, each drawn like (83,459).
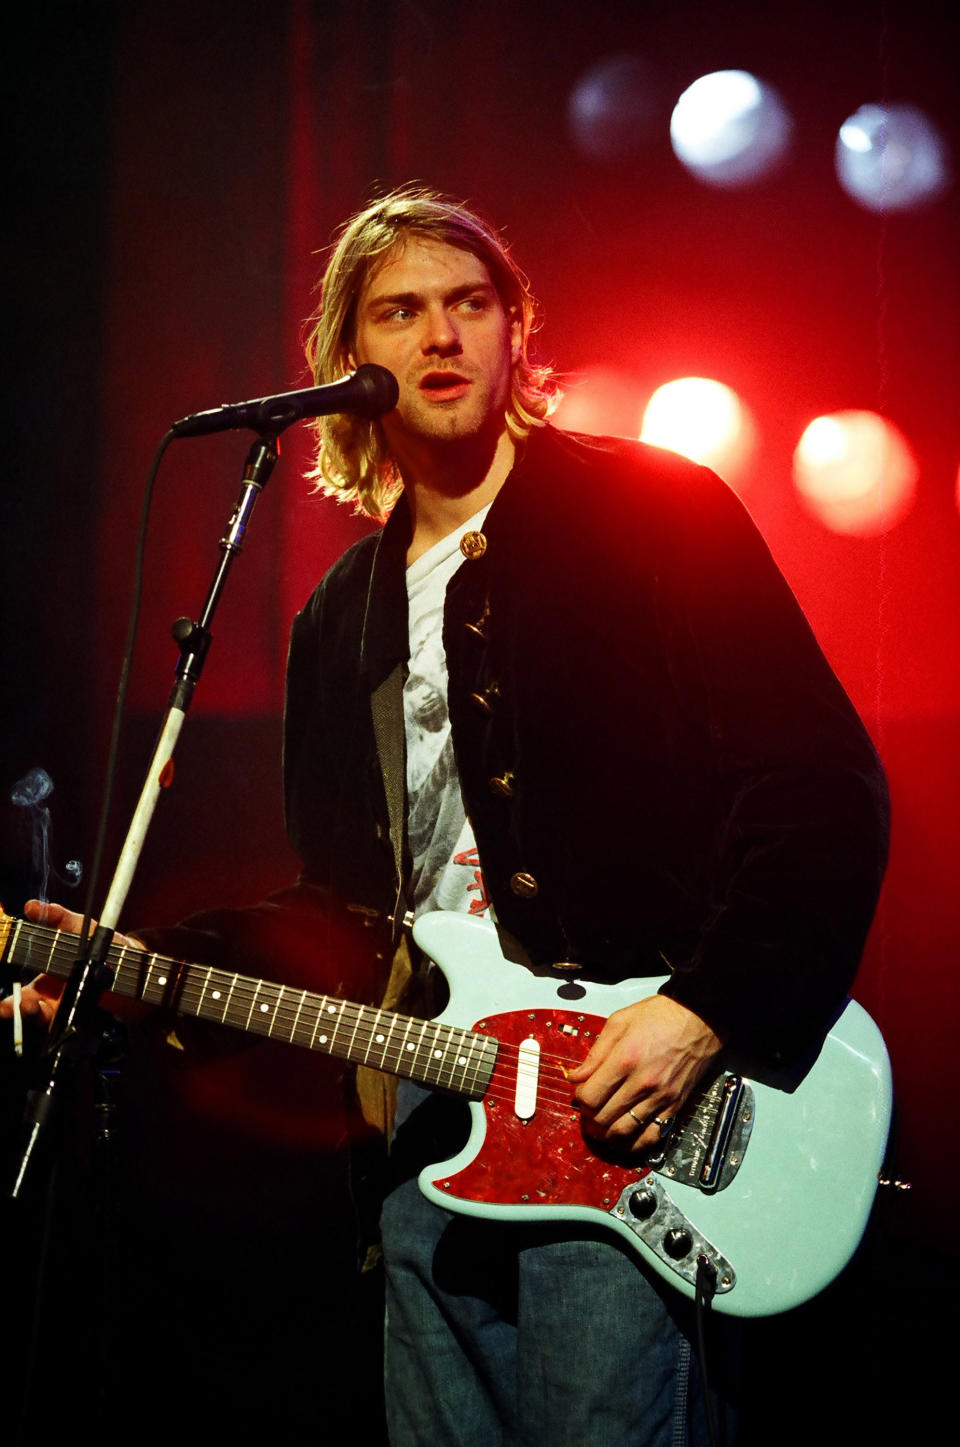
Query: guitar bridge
(711,1139)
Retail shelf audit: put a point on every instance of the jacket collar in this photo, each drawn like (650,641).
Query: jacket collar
(385,640)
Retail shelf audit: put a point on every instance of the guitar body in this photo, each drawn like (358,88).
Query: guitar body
(767,1177)
(802,1151)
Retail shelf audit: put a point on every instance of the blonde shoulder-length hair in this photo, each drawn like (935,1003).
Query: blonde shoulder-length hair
(353,463)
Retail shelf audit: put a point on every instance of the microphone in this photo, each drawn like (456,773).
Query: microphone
(368,392)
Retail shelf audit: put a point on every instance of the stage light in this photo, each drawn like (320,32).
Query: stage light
(612,108)
(729,128)
(891,158)
(703,419)
(855,471)
(599,401)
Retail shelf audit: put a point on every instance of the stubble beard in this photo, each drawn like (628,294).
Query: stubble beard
(465,423)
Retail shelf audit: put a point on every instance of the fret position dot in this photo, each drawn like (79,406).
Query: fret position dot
(380,1039)
(461,1060)
(162,980)
(331,1009)
(322,1039)
(438,1055)
(216,994)
(264,1009)
(410,1045)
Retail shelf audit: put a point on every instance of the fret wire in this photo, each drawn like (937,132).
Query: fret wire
(413,1056)
(401,1047)
(433,1049)
(293,1027)
(321,1017)
(389,1049)
(356,1025)
(253,1001)
(313,1007)
(278,992)
(203,989)
(373,1035)
(454,1060)
(470,1063)
(423,1049)
(335,1008)
(266,1016)
(163,974)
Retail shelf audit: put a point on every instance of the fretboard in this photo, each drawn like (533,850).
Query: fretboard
(441,1056)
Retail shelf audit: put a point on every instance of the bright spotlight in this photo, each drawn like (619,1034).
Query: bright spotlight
(891,158)
(703,419)
(729,128)
(855,471)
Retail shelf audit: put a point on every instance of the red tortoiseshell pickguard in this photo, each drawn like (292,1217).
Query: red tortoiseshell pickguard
(546,1160)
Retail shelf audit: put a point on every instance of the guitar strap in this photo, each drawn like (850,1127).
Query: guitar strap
(377,1092)
(386,706)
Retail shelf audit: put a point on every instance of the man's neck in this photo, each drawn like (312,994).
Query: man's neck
(442,498)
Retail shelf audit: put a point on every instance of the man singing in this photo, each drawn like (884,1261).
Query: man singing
(622,743)
(614,736)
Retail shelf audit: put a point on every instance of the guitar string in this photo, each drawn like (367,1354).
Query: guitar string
(550,1071)
(553,1095)
(553,1089)
(64,945)
(245,989)
(553,1092)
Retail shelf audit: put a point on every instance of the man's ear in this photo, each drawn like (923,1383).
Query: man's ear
(516,336)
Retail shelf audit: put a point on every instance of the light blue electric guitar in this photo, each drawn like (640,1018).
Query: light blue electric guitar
(768,1177)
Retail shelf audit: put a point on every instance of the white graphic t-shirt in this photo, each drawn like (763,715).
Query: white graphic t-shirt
(446,867)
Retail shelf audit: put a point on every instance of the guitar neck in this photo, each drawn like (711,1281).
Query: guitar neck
(441,1056)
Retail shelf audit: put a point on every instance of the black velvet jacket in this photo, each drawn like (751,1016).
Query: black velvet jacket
(661,769)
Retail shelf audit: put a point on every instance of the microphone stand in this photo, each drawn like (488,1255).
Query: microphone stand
(75,1032)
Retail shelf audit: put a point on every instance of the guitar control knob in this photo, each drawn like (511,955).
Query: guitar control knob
(643,1204)
(677,1243)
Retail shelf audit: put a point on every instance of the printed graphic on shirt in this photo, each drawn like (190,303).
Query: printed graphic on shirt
(471,858)
(446,867)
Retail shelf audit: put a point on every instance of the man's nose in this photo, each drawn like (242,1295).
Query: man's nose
(441,336)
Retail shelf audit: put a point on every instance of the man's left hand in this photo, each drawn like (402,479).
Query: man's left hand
(646,1061)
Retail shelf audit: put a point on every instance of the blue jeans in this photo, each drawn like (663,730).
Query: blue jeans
(513,1334)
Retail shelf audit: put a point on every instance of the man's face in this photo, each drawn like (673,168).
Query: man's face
(431,314)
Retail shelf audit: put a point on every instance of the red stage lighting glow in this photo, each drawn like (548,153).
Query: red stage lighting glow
(600,401)
(706,421)
(856,472)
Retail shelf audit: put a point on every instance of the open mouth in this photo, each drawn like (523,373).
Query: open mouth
(444,384)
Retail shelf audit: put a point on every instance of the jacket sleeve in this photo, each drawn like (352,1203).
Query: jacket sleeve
(803,806)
